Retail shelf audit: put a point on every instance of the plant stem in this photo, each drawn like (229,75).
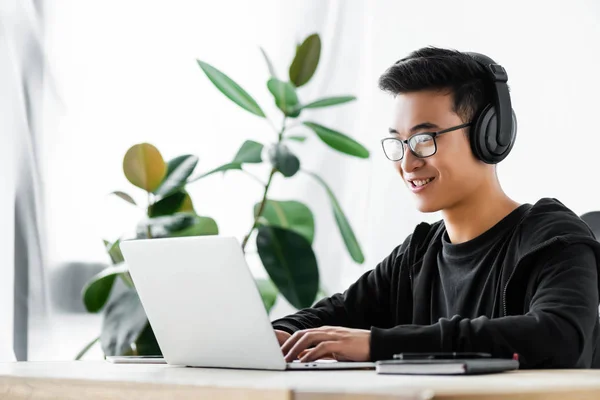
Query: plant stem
(86,348)
(264,199)
(148,230)
(260,209)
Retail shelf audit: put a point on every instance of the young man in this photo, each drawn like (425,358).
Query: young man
(493,276)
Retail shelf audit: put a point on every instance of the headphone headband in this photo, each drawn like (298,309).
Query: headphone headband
(499,77)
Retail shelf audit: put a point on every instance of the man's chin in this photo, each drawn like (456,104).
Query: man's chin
(428,207)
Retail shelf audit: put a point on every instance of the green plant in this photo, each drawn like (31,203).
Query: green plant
(169,213)
(285,229)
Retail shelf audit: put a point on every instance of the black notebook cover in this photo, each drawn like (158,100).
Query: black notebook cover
(446,367)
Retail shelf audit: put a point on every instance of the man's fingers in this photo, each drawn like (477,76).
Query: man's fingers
(307,340)
(281,336)
(323,349)
(289,343)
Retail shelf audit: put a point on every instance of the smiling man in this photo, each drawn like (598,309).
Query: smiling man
(493,275)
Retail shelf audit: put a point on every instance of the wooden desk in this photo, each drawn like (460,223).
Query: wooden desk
(100,380)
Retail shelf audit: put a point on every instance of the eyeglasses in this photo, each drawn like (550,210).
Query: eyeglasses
(422,145)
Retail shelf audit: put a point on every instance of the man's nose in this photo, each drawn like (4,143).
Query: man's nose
(410,162)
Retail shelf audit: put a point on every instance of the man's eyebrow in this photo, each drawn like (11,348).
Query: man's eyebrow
(418,127)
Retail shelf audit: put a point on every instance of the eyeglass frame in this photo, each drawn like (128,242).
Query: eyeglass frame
(433,135)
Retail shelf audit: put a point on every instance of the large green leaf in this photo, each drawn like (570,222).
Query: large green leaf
(291,215)
(306,60)
(222,168)
(290,262)
(329,101)
(125,197)
(114,251)
(165,226)
(124,320)
(97,290)
(269,63)
(268,292)
(343,224)
(167,206)
(187,205)
(231,89)
(144,166)
(178,170)
(201,227)
(339,141)
(284,160)
(285,97)
(250,152)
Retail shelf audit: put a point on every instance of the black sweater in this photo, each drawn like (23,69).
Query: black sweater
(546,302)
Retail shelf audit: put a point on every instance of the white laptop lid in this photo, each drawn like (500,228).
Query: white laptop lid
(202,302)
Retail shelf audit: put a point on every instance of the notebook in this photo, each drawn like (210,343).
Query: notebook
(446,367)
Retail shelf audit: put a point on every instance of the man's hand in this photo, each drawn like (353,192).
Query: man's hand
(342,344)
(282,336)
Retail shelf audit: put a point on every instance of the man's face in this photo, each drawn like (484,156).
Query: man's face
(455,172)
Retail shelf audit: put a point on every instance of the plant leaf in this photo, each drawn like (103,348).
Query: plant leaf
(269,63)
(231,89)
(202,226)
(114,251)
(146,344)
(86,349)
(222,168)
(343,224)
(296,138)
(125,197)
(178,170)
(291,215)
(306,60)
(165,226)
(97,290)
(124,320)
(168,205)
(268,292)
(126,277)
(187,205)
(250,152)
(285,96)
(284,160)
(144,166)
(339,141)
(329,101)
(290,262)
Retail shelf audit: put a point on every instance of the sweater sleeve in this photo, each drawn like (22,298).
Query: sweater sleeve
(556,332)
(364,304)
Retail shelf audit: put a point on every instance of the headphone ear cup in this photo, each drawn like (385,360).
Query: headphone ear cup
(484,137)
(478,133)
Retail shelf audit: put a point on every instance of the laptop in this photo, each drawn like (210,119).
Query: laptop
(204,306)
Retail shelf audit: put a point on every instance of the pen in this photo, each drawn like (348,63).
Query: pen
(440,356)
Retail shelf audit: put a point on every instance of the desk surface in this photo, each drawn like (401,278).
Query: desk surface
(98,379)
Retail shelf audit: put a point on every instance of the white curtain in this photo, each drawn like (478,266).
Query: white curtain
(8,123)
(126,73)
(21,77)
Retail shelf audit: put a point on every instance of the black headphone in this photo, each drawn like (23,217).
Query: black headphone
(494,129)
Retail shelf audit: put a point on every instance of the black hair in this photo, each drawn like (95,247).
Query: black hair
(432,68)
